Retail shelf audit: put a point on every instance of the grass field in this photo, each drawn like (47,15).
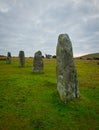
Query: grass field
(30,101)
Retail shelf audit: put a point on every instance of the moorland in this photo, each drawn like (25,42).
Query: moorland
(30,101)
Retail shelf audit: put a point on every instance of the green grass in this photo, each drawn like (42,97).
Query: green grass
(30,101)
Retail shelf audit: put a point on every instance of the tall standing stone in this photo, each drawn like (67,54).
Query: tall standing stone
(22,58)
(8,59)
(38,62)
(67,83)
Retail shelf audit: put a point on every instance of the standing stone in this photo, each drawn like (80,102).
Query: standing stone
(22,58)
(38,62)
(8,59)
(67,84)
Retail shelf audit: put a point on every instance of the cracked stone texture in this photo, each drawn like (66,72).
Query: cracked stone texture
(8,59)
(38,62)
(67,83)
(22,58)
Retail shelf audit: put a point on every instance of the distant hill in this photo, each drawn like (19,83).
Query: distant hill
(94,56)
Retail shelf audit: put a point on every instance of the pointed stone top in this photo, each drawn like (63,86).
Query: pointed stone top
(63,38)
(9,54)
(39,53)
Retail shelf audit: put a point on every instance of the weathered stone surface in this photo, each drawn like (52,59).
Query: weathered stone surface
(67,84)
(38,62)
(8,59)
(22,58)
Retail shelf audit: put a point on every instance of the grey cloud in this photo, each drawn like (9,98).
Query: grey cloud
(34,24)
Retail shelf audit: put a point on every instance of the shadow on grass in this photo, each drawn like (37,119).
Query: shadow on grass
(38,73)
(49,84)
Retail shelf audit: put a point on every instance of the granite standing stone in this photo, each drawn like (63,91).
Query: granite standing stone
(67,83)
(22,58)
(38,62)
(8,59)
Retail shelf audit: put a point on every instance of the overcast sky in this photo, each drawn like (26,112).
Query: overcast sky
(32,25)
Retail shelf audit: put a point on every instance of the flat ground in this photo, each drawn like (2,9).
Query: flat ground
(30,101)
